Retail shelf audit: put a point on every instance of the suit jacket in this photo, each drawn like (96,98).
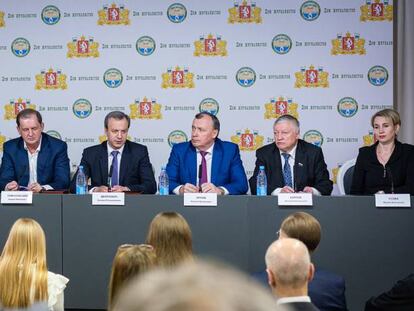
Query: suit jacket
(135,171)
(226,169)
(297,306)
(399,298)
(310,168)
(326,290)
(52,163)
(370,176)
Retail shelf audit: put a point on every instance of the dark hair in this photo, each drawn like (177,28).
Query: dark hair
(117,115)
(26,114)
(216,122)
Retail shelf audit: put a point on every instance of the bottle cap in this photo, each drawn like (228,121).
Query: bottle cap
(261,167)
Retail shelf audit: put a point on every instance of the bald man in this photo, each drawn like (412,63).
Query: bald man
(289,270)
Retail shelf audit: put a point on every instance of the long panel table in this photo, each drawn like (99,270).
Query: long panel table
(370,247)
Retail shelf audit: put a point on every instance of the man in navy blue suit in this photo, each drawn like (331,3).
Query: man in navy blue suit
(326,289)
(206,164)
(35,161)
(117,165)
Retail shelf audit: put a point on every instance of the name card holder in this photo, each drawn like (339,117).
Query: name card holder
(16,197)
(393,200)
(200,199)
(108,198)
(294,199)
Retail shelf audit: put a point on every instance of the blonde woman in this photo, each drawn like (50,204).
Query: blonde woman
(130,260)
(386,166)
(170,235)
(25,282)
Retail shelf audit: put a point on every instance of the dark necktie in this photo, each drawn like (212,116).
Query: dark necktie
(114,178)
(203,177)
(287,172)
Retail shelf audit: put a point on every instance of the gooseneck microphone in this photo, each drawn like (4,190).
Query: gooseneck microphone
(200,171)
(111,170)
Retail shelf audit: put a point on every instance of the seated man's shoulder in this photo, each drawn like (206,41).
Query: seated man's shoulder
(12,143)
(55,141)
(135,146)
(328,277)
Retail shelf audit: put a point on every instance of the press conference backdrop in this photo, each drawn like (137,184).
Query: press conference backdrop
(327,62)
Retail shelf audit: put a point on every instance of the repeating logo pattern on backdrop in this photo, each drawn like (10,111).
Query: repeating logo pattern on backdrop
(145,45)
(145,109)
(2,23)
(347,107)
(176,13)
(113,15)
(246,77)
(210,46)
(280,106)
(50,15)
(51,80)
(310,11)
(348,45)
(82,47)
(113,78)
(314,137)
(377,75)
(244,12)
(377,10)
(311,77)
(82,108)
(177,78)
(20,47)
(14,107)
(247,140)
(176,137)
(281,44)
(2,141)
(209,105)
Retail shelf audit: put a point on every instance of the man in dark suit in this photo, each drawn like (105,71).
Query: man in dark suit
(35,161)
(289,269)
(291,164)
(399,298)
(117,164)
(206,164)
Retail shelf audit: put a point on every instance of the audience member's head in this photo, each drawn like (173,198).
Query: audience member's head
(170,235)
(288,267)
(194,286)
(130,260)
(23,270)
(303,227)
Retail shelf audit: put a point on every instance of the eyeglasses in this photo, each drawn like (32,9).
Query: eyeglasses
(146,246)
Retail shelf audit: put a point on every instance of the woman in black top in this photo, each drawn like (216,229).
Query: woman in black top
(388,165)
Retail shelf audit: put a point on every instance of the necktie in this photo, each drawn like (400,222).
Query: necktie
(114,178)
(203,177)
(287,172)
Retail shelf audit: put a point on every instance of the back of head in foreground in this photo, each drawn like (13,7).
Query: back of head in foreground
(129,261)
(304,227)
(23,269)
(288,267)
(197,286)
(170,235)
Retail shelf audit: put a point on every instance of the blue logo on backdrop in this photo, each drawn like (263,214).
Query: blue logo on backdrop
(176,13)
(310,10)
(50,15)
(20,47)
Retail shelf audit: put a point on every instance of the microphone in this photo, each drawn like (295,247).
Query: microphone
(200,171)
(391,179)
(22,173)
(111,170)
(295,168)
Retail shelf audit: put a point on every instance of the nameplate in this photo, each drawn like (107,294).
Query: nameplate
(16,197)
(295,199)
(393,200)
(108,198)
(200,199)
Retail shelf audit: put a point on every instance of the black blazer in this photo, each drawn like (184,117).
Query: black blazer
(135,171)
(370,176)
(399,298)
(310,168)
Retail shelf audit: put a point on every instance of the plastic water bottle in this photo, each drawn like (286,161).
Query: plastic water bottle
(81,181)
(163,182)
(261,182)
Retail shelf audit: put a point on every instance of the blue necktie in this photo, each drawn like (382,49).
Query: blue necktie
(114,178)
(287,172)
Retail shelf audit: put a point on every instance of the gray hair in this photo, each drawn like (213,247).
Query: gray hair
(288,118)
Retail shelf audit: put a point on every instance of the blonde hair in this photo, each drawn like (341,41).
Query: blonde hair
(170,235)
(391,114)
(23,270)
(129,261)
